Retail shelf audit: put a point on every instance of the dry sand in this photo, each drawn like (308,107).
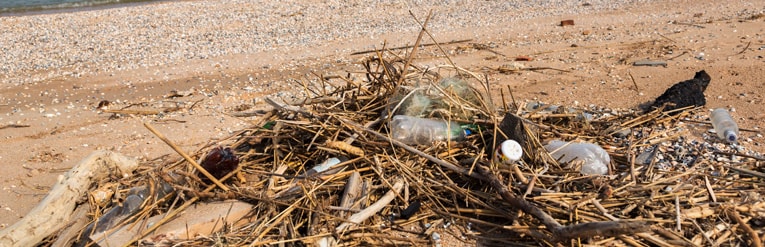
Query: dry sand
(224,57)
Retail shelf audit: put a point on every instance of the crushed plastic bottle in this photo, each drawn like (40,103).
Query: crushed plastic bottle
(726,128)
(595,159)
(326,165)
(414,130)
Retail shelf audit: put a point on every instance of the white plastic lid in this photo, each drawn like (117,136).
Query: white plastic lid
(511,151)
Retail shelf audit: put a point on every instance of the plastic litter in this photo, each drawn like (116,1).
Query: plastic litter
(595,159)
(509,151)
(726,128)
(326,165)
(415,130)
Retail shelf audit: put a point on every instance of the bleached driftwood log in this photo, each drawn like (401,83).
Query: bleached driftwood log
(55,210)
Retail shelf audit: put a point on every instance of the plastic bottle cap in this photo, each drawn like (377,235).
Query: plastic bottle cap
(731,136)
(510,151)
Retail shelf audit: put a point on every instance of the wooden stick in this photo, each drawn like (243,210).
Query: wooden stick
(136,112)
(372,209)
(55,210)
(424,29)
(14,126)
(633,82)
(414,49)
(747,171)
(186,157)
(746,47)
(710,190)
(352,191)
(677,214)
(410,46)
(756,242)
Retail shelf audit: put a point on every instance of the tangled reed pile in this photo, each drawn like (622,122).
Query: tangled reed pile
(384,192)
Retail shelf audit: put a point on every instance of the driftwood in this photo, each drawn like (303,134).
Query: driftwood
(78,221)
(55,210)
(373,209)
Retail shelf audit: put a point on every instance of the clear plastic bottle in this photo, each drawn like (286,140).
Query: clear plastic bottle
(415,130)
(724,125)
(595,159)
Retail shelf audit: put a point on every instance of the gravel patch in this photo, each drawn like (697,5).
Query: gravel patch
(40,47)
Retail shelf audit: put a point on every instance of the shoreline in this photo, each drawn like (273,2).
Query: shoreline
(59,9)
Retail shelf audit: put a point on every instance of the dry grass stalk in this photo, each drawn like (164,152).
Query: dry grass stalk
(535,202)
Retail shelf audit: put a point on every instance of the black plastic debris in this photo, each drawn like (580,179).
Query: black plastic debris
(684,93)
(411,210)
(512,128)
(408,212)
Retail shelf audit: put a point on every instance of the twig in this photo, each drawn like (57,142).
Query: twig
(414,49)
(352,192)
(186,157)
(286,107)
(747,171)
(486,47)
(136,112)
(317,100)
(688,24)
(666,37)
(633,82)
(423,25)
(672,58)
(740,154)
(744,50)
(372,209)
(14,126)
(710,190)
(677,214)
(410,46)
(756,242)
(506,70)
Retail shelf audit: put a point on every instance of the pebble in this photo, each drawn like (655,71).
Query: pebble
(105,41)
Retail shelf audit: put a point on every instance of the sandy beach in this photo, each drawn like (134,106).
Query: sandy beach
(201,62)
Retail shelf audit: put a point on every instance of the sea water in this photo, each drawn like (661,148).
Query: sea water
(25,6)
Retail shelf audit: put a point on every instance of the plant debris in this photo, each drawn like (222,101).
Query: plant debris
(389,193)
